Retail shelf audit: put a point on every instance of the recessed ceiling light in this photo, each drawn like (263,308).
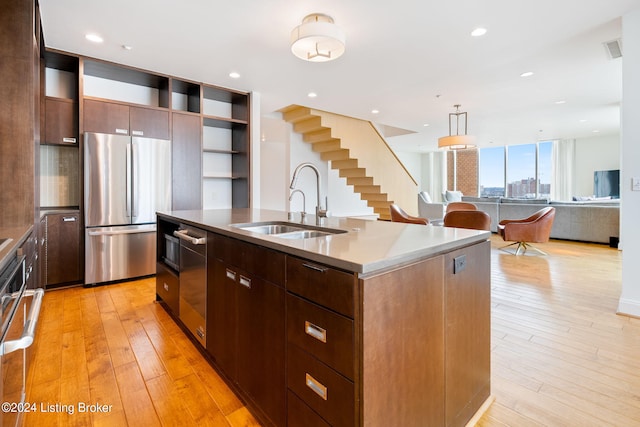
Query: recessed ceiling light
(562,101)
(375,111)
(234,75)
(94,38)
(312,94)
(426,125)
(583,120)
(127,47)
(595,131)
(527,74)
(479,32)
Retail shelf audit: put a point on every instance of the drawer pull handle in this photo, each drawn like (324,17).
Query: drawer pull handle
(316,386)
(69,219)
(166,287)
(69,140)
(315,267)
(315,331)
(137,133)
(231,274)
(245,281)
(120,131)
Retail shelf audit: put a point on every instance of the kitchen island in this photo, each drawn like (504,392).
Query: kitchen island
(374,323)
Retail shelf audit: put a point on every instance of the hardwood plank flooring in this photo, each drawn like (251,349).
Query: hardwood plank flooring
(560,354)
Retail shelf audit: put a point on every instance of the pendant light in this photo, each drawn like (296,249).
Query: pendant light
(458,141)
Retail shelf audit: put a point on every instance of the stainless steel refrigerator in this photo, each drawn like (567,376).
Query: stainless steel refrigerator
(126,180)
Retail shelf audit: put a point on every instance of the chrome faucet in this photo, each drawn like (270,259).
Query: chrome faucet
(320,213)
(304,203)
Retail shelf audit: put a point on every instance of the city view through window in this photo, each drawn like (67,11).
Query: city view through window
(526,173)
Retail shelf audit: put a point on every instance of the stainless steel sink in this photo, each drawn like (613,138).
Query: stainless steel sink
(304,234)
(270,228)
(287,230)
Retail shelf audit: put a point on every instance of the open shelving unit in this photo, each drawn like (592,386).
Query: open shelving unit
(208,125)
(225,148)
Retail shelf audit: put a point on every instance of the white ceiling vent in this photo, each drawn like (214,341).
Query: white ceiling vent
(614,48)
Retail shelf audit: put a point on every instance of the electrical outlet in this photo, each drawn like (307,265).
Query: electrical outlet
(459,264)
(635,184)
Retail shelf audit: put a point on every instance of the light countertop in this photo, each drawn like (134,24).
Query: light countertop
(366,248)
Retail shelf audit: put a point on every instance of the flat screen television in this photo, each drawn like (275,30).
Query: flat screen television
(607,183)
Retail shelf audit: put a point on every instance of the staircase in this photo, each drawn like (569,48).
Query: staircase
(360,154)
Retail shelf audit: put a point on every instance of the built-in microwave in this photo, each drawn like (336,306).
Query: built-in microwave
(172,251)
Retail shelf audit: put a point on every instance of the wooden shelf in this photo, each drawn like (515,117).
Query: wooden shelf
(222,122)
(214,151)
(224,177)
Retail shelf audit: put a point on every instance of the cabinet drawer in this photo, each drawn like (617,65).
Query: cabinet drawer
(327,392)
(323,333)
(324,285)
(168,288)
(299,414)
(262,262)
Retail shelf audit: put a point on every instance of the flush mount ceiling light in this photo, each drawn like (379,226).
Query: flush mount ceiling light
(317,39)
(457,141)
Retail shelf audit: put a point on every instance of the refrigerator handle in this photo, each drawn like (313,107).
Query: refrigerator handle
(135,163)
(129,191)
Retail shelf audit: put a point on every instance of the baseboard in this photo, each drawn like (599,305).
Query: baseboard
(480,412)
(629,307)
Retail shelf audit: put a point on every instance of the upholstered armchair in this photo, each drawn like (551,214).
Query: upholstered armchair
(461,206)
(534,229)
(429,209)
(472,219)
(399,215)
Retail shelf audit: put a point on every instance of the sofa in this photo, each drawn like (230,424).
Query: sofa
(434,211)
(595,221)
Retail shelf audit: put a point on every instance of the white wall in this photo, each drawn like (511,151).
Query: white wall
(630,160)
(594,154)
(281,151)
(413,163)
(274,161)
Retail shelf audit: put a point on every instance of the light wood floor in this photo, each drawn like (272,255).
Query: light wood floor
(560,354)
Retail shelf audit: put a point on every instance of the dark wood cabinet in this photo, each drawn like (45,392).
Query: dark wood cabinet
(246,318)
(121,119)
(186,162)
(222,315)
(19,112)
(261,331)
(149,123)
(321,343)
(105,117)
(168,287)
(62,249)
(61,121)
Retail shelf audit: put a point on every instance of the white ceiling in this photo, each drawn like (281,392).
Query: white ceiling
(411,59)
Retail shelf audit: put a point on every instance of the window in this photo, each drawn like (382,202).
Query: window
(521,171)
(491,173)
(544,168)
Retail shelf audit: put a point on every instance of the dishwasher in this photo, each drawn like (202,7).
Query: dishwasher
(193,281)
